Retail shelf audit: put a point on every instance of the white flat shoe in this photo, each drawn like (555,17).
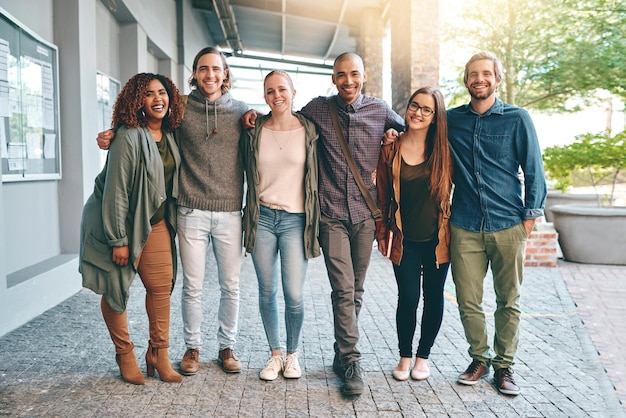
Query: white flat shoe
(400,374)
(419,375)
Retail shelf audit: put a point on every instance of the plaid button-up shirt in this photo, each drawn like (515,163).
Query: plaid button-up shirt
(363,123)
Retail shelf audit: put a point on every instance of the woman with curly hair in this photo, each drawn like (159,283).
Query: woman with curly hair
(129,222)
(414,181)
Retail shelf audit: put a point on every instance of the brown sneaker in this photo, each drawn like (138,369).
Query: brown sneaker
(189,363)
(230,362)
(505,382)
(473,373)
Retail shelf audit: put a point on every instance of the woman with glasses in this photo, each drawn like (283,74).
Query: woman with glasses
(414,179)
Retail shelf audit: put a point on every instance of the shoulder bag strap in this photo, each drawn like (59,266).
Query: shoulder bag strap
(351,163)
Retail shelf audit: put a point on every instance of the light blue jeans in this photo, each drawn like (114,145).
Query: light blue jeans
(196,229)
(280,232)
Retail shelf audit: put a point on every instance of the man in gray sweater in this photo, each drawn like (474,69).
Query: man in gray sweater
(209,204)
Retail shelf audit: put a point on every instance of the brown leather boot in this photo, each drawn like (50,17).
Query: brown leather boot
(157,358)
(129,368)
(117,325)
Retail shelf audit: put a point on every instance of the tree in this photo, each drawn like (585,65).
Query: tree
(551,50)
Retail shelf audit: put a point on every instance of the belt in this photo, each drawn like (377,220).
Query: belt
(271,205)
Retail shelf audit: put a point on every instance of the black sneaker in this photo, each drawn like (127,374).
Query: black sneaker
(353,379)
(505,382)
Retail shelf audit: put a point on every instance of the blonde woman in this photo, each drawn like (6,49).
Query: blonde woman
(281,216)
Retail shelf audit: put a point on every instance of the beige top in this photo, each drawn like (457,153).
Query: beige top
(282,156)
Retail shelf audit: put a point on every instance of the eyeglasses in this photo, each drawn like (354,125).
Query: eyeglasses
(426,111)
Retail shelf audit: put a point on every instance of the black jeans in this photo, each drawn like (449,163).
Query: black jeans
(418,270)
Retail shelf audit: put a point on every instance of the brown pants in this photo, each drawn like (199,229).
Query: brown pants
(156,272)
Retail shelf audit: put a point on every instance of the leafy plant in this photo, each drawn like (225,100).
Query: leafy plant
(601,156)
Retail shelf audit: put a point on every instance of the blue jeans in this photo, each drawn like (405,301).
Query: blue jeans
(280,232)
(417,268)
(196,228)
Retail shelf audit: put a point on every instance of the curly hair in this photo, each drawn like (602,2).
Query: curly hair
(128,108)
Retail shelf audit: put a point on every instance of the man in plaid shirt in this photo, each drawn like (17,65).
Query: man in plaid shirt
(346,225)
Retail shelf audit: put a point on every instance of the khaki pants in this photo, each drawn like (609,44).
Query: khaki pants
(471,254)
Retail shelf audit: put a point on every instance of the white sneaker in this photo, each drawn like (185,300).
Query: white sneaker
(273,366)
(292,367)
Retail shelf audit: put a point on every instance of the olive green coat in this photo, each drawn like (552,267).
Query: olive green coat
(127,193)
(249,145)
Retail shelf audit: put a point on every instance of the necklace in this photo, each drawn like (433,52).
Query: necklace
(279,144)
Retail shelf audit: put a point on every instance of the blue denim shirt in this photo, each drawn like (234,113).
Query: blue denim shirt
(488,151)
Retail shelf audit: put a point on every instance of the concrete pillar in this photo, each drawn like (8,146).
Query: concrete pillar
(133,51)
(3,263)
(168,68)
(75,36)
(183,78)
(370,48)
(414,48)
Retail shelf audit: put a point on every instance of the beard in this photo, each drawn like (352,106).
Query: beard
(484,94)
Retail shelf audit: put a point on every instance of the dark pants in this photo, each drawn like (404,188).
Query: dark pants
(347,251)
(418,269)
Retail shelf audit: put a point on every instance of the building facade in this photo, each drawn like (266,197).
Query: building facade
(99,45)
(65,61)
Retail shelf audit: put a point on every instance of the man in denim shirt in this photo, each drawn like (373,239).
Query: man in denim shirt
(491,215)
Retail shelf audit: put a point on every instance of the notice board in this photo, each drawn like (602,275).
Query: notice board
(29,104)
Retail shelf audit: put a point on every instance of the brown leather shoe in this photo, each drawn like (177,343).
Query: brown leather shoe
(473,373)
(505,382)
(230,362)
(189,363)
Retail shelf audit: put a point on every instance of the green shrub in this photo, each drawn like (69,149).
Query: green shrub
(599,156)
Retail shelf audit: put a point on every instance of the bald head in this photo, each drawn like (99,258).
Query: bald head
(349,56)
(349,76)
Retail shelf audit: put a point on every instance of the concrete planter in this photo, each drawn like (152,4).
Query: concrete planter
(556,197)
(590,234)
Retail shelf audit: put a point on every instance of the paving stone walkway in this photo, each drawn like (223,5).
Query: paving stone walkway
(62,364)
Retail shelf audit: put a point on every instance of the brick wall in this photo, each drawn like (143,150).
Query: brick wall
(415,39)
(370,48)
(541,247)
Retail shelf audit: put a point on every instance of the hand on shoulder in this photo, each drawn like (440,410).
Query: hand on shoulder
(104,139)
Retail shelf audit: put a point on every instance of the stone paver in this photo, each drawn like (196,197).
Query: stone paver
(599,293)
(62,364)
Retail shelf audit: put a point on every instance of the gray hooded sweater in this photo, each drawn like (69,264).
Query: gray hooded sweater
(211,175)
